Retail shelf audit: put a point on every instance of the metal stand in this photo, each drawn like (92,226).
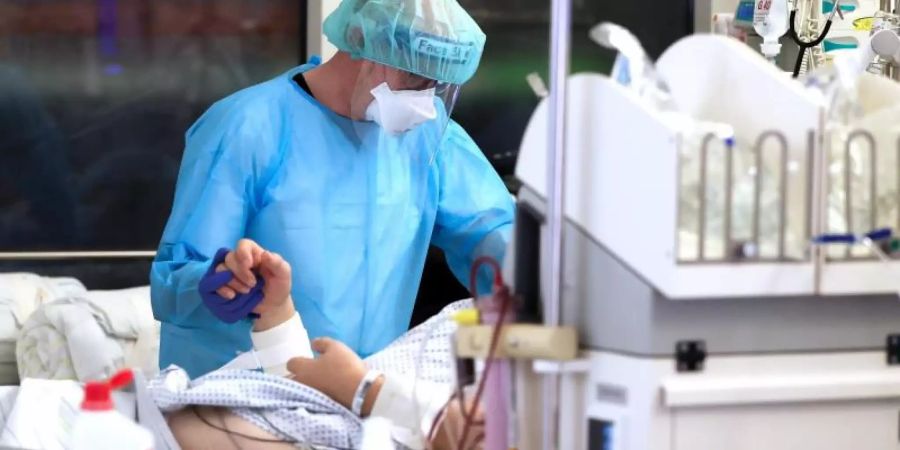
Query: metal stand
(560,30)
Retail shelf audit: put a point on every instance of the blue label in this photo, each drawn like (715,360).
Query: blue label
(442,49)
(744,12)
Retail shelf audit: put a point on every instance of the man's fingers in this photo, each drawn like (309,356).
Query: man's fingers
(230,290)
(238,286)
(226,292)
(241,272)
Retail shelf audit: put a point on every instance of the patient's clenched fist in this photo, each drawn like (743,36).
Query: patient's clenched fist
(241,261)
(277,290)
(249,257)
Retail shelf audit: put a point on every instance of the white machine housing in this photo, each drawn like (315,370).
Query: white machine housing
(792,354)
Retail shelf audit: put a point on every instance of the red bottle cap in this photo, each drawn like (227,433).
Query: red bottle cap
(97,394)
(121,379)
(97,397)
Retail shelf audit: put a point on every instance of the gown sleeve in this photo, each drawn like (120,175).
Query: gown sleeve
(216,195)
(475,210)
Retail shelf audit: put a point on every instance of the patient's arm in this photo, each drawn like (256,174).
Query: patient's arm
(413,406)
(276,341)
(336,373)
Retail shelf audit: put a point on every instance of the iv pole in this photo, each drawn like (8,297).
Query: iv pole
(889,6)
(560,31)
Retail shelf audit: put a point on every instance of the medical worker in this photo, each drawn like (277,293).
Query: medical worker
(348,170)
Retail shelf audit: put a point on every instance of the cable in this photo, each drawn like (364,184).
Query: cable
(805,45)
(235,433)
(437,422)
(473,275)
(417,364)
(430,330)
(259,439)
(495,337)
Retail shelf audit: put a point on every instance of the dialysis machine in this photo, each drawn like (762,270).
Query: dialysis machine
(708,314)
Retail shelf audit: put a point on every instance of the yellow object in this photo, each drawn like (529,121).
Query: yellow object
(863,24)
(467,317)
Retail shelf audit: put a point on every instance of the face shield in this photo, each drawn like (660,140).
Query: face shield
(416,54)
(394,107)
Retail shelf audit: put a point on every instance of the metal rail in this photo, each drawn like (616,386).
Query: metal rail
(729,175)
(873,185)
(560,31)
(782,191)
(41,256)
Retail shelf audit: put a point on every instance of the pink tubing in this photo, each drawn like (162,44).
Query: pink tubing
(497,385)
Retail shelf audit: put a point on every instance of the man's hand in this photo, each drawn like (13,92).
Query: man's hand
(336,373)
(276,306)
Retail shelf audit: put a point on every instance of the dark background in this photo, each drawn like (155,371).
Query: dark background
(95,97)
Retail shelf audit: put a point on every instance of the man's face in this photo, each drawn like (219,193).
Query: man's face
(372,74)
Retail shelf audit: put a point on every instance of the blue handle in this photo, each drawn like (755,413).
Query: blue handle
(835,239)
(879,234)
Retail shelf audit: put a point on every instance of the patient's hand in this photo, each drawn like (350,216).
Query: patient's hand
(276,306)
(243,260)
(277,290)
(336,373)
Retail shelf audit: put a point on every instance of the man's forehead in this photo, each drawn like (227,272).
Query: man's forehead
(402,79)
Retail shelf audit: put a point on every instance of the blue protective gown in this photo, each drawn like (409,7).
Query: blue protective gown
(271,164)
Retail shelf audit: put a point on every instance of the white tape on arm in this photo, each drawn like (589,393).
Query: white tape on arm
(274,347)
(412,413)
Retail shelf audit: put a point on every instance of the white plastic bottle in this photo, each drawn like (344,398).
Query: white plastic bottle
(100,427)
(770,20)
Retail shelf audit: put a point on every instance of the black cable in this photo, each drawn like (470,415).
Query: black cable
(294,441)
(235,433)
(792,30)
(259,439)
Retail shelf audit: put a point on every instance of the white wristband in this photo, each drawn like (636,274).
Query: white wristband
(362,390)
(274,347)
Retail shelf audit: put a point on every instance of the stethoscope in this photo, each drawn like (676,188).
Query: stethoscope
(804,46)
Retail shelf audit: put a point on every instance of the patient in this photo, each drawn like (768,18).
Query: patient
(337,372)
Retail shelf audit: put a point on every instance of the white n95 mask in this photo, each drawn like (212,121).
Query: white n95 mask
(400,111)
